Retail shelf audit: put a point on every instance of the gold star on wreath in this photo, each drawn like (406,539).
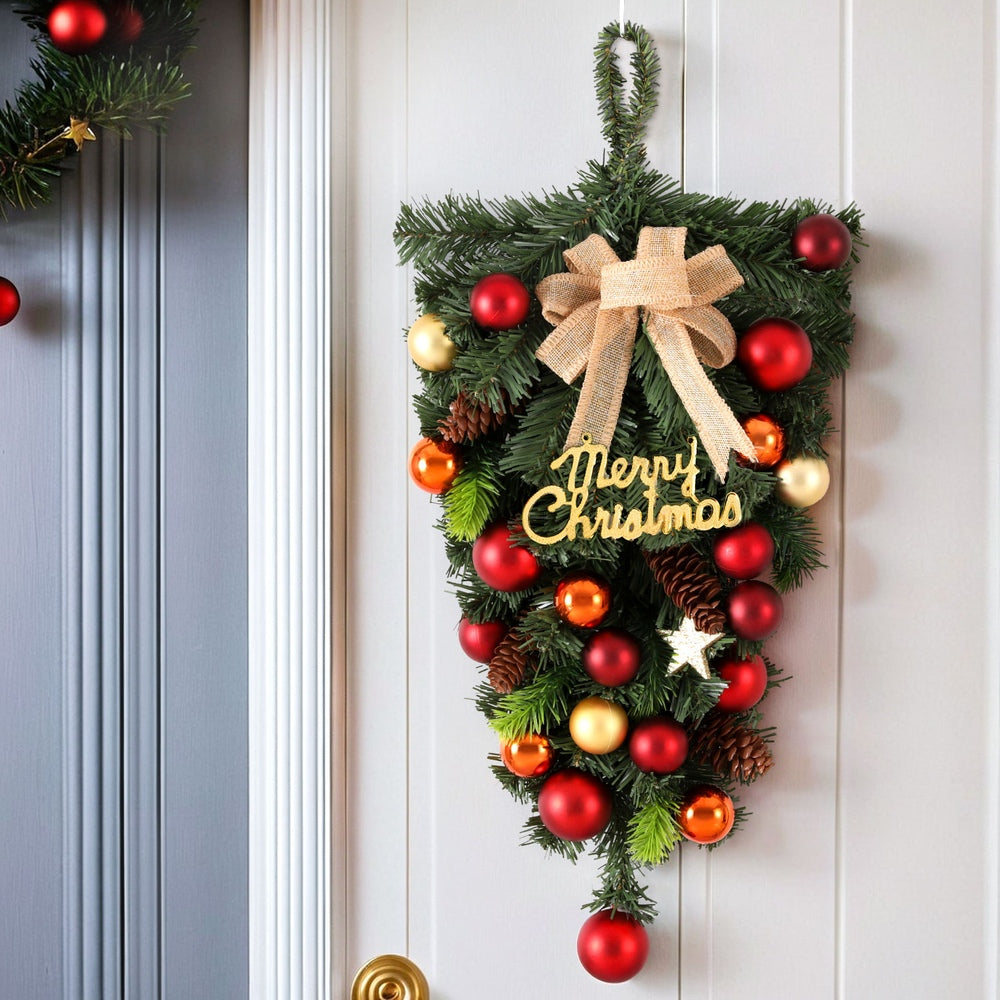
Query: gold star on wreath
(78,131)
(689,647)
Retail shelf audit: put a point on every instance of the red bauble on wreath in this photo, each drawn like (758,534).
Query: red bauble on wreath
(612,657)
(745,551)
(76,26)
(574,805)
(755,609)
(501,563)
(10,301)
(658,745)
(823,241)
(746,680)
(775,353)
(126,23)
(612,947)
(479,639)
(499,301)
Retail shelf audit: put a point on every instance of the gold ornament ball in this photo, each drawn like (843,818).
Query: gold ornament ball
(429,346)
(802,481)
(598,725)
(527,757)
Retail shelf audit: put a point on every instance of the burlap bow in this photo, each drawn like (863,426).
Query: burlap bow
(595,310)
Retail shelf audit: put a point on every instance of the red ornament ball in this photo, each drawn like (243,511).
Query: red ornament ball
(10,301)
(707,814)
(434,465)
(499,301)
(501,563)
(126,23)
(823,240)
(574,805)
(612,657)
(612,947)
(755,609)
(479,639)
(583,599)
(658,745)
(747,682)
(775,353)
(76,26)
(745,551)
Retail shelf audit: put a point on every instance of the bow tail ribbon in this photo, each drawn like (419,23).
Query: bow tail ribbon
(717,427)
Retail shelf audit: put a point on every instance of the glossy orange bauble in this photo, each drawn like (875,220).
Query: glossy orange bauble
(434,464)
(583,600)
(768,439)
(527,757)
(707,814)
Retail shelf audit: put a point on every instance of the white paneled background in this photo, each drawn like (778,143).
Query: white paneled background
(869,867)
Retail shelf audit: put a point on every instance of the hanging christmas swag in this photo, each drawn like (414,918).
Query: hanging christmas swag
(624,402)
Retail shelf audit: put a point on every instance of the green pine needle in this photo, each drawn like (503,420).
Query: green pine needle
(471,501)
(653,831)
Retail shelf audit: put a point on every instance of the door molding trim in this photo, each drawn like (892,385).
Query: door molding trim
(297,236)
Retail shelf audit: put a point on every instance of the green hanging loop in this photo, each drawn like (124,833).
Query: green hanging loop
(625,124)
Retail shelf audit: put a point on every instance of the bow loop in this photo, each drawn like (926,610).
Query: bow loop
(595,309)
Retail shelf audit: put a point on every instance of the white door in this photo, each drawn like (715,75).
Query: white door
(869,867)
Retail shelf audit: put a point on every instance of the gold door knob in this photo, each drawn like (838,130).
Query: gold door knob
(390,977)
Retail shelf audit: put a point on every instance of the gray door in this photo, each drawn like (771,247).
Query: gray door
(123,782)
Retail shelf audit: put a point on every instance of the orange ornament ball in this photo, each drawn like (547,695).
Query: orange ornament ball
(434,464)
(768,439)
(583,599)
(529,756)
(707,814)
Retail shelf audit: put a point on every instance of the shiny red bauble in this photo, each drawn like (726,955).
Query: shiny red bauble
(499,301)
(823,241)
(612,657)
(125,23)
(744,551)
(612,947)
(755,609)
(574,805)
(501,563)
(658,745)
(10,301)
(76,26)
(746,680)
(479,639)
(775,353)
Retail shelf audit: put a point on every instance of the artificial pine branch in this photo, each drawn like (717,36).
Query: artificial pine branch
(471,501)
(654,830)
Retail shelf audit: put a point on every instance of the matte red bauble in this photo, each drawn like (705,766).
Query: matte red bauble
(499,301)
(583,599)
(501,563)
(745,551)
(658,745)
(707,814)
(479,639)
(434,465)
(10,301)
(612,947)
(76,26)
(755,609)
(823,240)
(612,657)
(574,805)
(126,23)
(527,757)
(747,682)
(775,353)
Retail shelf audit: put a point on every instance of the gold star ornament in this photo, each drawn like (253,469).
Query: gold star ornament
(689,645)
(78,131)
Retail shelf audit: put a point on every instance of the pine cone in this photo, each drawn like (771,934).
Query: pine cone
(508,664)
(730,748)
(690,584)
(469,420)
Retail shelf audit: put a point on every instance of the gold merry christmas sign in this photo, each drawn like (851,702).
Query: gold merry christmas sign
(587,503)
